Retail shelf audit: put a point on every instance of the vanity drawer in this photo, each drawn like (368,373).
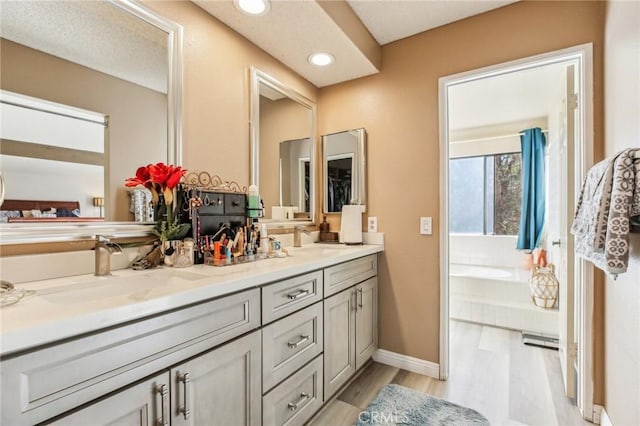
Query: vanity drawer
(45,382)
(345,275)
(290,343)
(296,399)
(234,204)
(285,297)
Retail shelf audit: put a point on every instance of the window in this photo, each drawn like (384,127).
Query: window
(485,194)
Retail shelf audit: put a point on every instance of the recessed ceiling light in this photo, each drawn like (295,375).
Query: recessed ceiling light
(321,59)
(253,7)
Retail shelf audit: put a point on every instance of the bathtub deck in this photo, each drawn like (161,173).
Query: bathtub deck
(478,294)
(490,371)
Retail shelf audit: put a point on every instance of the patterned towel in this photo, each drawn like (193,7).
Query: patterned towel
(592,211)
(603,237)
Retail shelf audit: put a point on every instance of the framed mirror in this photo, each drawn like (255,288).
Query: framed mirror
(283,163)
(343,169)
(122,62)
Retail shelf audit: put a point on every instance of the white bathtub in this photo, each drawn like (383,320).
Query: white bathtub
(500,273)
(497,296)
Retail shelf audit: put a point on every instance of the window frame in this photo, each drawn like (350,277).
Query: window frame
(485,216)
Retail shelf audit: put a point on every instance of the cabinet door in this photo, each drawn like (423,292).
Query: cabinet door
(339,341)
(144,404)
(366,320)
(221,387)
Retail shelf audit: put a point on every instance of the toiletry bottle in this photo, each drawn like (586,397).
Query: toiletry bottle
(264,239)
(253,201)
(324,226)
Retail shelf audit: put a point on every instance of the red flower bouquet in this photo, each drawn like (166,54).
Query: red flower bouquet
(161,180)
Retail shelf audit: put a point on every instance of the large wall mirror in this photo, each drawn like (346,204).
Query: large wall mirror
(120,61)
(283,150)
(343,169)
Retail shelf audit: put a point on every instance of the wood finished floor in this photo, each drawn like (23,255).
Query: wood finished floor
(491,371)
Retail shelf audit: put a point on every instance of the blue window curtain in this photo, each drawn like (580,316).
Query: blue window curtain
(533,194)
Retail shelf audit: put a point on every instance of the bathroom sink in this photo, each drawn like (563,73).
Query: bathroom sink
(133,285)
(316,249)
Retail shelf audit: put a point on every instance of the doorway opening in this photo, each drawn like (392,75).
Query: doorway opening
(483,114)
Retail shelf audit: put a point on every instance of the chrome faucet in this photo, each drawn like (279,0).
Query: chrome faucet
(103,250)
(297,235)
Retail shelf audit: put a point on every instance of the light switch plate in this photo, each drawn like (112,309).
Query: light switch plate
(372,224)
(425,226)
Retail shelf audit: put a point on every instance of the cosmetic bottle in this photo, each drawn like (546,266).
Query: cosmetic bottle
(253,201)
(324,226)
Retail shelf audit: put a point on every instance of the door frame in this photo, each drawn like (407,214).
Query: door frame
(583,158)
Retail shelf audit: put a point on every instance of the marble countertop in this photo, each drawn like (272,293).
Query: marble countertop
(66,307)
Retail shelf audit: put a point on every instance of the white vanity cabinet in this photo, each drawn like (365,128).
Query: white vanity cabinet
(350,322)
(45,382)
(220,387)
(292,346)
(144,404)
(270,351)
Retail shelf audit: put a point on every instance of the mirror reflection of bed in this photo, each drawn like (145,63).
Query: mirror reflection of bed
(29,211)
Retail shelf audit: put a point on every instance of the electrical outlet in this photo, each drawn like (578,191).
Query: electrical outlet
(425,226)
(372,222)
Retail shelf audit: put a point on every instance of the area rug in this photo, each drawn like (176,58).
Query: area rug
(397,405)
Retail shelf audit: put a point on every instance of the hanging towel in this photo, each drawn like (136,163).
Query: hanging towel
(533,197)
(620,198)
(592,211)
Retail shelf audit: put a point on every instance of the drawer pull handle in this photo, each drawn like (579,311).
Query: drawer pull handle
(164,393)
(299,342)
(297,294)
(354,303)
(184,408)
(361,303)
(293,406)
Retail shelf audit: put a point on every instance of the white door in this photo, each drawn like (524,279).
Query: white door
(563,247)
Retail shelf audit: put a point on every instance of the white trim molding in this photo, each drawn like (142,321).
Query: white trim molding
(583,54)
(600,414)
(406,362)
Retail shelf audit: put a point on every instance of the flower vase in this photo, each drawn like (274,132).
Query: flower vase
(160,209)
(169,251)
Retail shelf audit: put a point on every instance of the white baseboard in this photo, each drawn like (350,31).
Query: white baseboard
(605,420)
(409,363)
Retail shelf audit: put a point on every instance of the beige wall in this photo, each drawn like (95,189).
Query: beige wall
(138,116)
(399,109)
(216,90)
(622,130)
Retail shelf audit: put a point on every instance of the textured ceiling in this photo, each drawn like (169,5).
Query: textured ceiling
(293,29)
(391,20)
(290,32)
(95,34)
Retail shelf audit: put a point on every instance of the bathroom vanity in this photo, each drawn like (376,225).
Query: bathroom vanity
(261,343)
